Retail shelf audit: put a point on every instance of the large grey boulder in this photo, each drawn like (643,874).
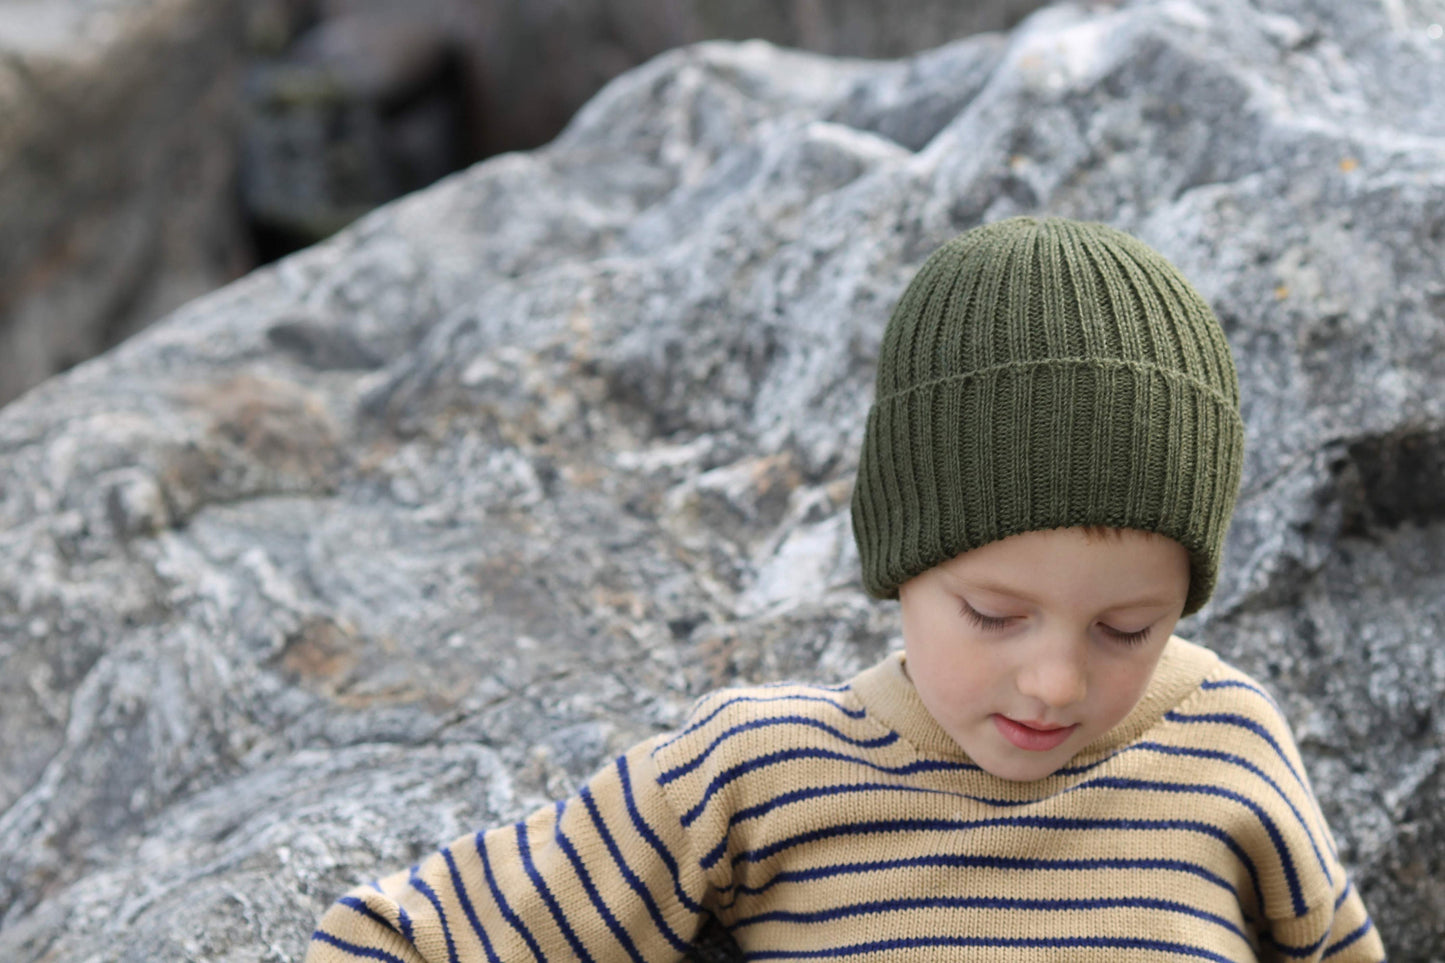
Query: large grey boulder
(406,534)
(117,129)
(120,124)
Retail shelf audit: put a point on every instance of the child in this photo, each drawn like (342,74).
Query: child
(1046,478)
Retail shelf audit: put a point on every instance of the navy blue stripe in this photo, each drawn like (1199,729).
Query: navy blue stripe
(405,919)
(645,831)
(1061,942)
(1036,822)
(420,885)
(807,752)
(1279,714)
(1281,847)
(508,913)
(633,882)
(1344,895)
(1294,952)
(401,916)
(821,791)
(711,857)
(1242,722)
(1276,837)
(1243,763)
(591,888)
(799,795)
(1314,804)
(956,861)
(989,902)
(1113,782)
(524,848)
(858,713)
(1086,767)
(1349,939)
(677,772)
(816,792)
(466,901)
(361,907)
(1248,687)
(354,950)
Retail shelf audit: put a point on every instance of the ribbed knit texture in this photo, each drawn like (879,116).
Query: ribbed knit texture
(1044,373)
(843,823)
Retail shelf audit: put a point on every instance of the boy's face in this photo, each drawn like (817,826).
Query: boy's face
(1027,649)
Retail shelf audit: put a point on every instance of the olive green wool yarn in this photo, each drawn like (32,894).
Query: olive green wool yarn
(1043,373)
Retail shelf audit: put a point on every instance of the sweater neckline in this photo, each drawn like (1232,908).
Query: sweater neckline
(889,695)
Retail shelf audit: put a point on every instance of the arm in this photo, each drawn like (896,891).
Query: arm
(606,874)
(1303,905)
(1329,920)
(1349,936)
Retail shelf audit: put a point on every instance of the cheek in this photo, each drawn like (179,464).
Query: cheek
(1123,687)
(954,672)
(952,680)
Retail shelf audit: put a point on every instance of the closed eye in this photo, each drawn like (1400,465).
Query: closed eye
(1127,638)
(989,622)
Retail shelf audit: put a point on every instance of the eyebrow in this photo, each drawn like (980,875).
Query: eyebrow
(1148,601)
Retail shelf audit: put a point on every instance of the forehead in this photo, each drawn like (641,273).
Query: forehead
(1122,568)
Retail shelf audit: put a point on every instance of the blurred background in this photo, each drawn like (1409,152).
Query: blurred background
(152,150)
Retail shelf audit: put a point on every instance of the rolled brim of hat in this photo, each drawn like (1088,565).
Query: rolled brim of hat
(1096,442)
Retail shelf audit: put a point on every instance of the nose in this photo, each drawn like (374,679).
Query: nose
(1056,673)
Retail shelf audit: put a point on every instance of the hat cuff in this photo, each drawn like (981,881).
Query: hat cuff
(1086,442)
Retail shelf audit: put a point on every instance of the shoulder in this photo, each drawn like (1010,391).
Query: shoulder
(728,723)
(1231,719)
(1233,749)
(1232,711)
(741,747)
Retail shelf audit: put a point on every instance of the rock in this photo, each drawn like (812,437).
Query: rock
(117,201)
(359,112)
(530,65)
(123,120)
(406,534)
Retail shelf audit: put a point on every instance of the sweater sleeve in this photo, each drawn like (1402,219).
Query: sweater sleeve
(1349,934)
(606,874)
(1311,910)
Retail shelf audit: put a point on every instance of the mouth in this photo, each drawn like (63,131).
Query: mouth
(1032,736)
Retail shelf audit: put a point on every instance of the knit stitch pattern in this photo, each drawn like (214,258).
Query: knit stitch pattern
(1045,373)
(841,823)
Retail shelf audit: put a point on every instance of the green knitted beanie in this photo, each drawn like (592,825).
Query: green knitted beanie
(1045,373)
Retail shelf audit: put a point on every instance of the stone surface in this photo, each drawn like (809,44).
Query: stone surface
(122,119)
(116,172)
(531,65)
(406,534)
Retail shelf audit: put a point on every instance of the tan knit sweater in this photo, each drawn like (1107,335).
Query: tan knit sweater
(843,823)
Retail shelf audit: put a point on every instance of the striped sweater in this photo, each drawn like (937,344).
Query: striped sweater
(843,823)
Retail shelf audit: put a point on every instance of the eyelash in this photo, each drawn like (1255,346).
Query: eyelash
(1128,638)
(993,623)
(978,618)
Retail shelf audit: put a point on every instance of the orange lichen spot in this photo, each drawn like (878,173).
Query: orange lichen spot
(1281,292)
(1348,164)
(321,652)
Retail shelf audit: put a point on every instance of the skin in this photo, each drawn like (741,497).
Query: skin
(1041,629)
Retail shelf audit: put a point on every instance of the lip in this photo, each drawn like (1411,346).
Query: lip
(1031,737)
